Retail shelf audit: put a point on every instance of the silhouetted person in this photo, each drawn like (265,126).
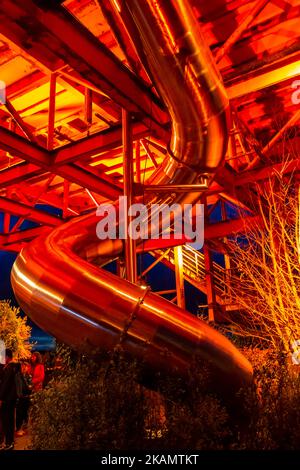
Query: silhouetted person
(24,401)
(10,391)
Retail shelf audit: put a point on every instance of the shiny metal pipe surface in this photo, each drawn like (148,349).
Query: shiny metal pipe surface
(87,307)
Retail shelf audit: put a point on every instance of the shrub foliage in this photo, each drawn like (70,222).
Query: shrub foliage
(14,331)
(92,405)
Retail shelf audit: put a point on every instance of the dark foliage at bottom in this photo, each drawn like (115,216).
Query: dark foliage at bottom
(101,405)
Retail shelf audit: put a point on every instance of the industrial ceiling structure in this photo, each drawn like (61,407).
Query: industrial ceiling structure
(69,75)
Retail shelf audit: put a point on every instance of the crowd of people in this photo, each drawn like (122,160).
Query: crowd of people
(18,381)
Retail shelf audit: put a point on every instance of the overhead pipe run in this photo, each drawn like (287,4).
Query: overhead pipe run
(88,307)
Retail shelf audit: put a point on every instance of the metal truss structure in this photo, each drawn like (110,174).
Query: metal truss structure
(76,85)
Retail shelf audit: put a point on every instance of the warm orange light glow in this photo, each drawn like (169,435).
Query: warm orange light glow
(264,80)
(117,5)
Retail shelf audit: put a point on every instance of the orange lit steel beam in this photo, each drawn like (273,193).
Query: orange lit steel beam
(84,148)
(225,176)
(26,84)
(88,108)
(165,292)
(130,245)
(152,265)
(138,162)
(149,153)
(209,283)
(292,121)
(77,175)
(178,262)
(15,247)
(239,198)
(116,153)
(6,222)
(122,37)
(167,188)
(23,235)
(227,260)
(212,231)
(96,144)
(76,79)
(92,198)
(262,27)
(161,244)
(18,173)
(36,215)
(243,25)
(34,201)
(161,326)
(264,78)
(209,273)
(60,34)
(17,118)
(100,184)
(28,151)
(51,112)
(118,166)
(20,147)
(158,146)
(66,198)
(31,193)
(70,80)
(100,174)
(267,172)
(223,229)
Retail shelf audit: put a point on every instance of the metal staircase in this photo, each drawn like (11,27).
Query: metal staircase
(195,273)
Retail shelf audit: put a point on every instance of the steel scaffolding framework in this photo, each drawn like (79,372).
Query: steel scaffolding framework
(83,123)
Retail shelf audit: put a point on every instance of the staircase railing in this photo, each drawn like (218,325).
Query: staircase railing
(194,269)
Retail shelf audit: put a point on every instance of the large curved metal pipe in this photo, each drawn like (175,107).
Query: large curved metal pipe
(87,307)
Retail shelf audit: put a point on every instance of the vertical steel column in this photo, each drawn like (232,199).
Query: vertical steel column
(6,216)
(138,161)
(226,256)
(209,276)
(6,222)
(51,112)
(232,147)
(66,198)
(130,245)
(178,261)
(88,108)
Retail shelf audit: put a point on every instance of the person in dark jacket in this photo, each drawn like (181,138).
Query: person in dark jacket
(24,401)
(10,390)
